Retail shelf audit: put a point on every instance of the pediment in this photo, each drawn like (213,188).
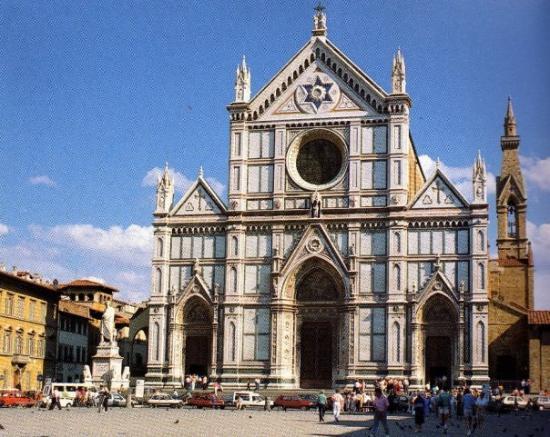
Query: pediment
(318,81)
(200,199)
(195,287)
(318,92)
(438,192)
(437,284)
(315,242)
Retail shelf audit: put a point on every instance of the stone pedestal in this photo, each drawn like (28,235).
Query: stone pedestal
(107,367)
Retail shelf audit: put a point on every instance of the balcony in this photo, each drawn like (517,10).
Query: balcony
(20,359)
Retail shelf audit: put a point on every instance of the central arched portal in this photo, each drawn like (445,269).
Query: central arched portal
(197,331)
(318,295)
(440,337)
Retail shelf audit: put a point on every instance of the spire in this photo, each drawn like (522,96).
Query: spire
(242,82)
(165,191)
(399,82)
(479,180)
(510,129)
(201,172)
(319,21)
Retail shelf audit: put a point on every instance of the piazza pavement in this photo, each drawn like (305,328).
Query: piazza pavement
(248,423)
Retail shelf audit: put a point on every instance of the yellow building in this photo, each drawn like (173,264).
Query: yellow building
(28,307)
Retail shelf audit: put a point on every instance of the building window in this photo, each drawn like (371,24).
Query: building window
(8,307)
(158,282)
(20,307)
(233,342)
(7,342)
(83,354)
(258,245)
(43,312)
(30,346)
(397,237)
(397,276)
(257,278)
(235,245)
(512,221)
(396,334)
(481,273)
(32,309)
(160,247)
(19,344)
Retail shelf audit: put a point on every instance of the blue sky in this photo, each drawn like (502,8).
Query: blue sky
(95,96)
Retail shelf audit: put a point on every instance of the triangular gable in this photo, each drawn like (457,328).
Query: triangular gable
(437,284)
(199,199)
(438,192)
(511,188)
(195,287)
(315,241)
(318,54)
(319,91)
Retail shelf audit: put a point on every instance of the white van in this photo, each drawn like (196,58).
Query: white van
(250,399)
(68,392)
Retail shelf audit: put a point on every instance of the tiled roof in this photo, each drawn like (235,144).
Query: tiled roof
(67,306)
(86,283)
(539,317)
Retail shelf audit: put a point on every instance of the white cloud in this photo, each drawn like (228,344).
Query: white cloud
(42,180)
(539,235)
(536,171)
(132,245)
(460,176)
(181,181)
(4,229)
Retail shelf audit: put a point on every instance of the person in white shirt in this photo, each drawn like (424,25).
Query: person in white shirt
(337,404)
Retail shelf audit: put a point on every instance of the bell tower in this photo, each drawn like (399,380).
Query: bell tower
(511,196)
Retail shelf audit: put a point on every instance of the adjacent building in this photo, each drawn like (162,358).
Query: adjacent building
(72,341)
(336,257)
(539,350)
(28,325)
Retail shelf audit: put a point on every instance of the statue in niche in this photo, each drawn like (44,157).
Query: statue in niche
(315,205)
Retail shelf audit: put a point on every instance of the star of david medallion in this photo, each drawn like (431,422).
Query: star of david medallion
(317,94)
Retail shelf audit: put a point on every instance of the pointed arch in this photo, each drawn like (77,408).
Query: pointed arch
(481,241)
(481,275)
(156,340)
(232,342)
(158,280)
(480,341)
(396,338)
(232,280)
(511,220)
(235,245)
(397,238)
(397,276)
(160,247)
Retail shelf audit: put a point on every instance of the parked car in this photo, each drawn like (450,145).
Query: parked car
(16,398)
(116,400)
(249,399)
(509,402)
(69,391)
(206,400)
(164,400)
(542,402)
(300,402)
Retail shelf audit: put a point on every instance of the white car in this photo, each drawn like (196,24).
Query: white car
(543,402)
(510,402)
(164,400)
(250,399)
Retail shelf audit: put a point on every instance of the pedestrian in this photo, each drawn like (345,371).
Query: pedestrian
(469,402)
(267,404)
(238,403)
(481,404)
(459,405)
(193,382)
(187,382)
(218,387)
(381,406)
(322,406)
(56,396)
(205,383)
(444,406)
(418,404)
(105,395)
(337,405)
(257,384)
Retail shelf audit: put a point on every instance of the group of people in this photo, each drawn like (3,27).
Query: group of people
(194,382)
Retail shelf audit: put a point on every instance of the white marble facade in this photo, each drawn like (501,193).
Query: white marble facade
(331,268)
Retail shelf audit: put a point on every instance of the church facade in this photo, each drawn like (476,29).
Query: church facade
(336,258)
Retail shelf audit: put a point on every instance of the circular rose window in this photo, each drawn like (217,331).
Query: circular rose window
(317,159)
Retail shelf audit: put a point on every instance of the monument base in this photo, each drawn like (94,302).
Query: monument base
(107,368)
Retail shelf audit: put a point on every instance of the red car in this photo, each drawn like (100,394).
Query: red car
(206,400)
(15,398)
(301,402)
